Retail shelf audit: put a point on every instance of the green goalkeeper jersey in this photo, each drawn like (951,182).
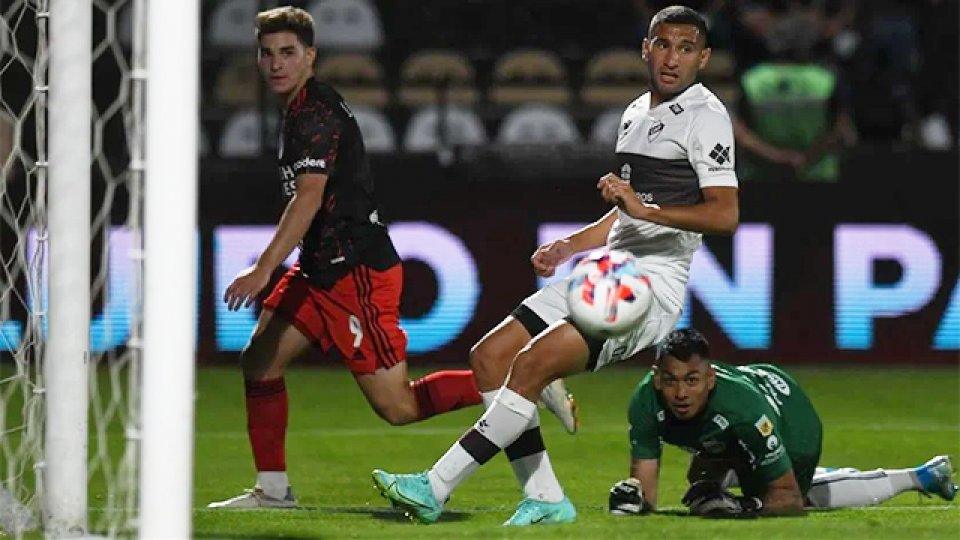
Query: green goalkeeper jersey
(756,416)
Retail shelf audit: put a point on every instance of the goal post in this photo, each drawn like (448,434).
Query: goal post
(66,358)
(97,356)
(170,225)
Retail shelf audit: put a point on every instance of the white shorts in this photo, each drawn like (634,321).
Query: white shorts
(550,304)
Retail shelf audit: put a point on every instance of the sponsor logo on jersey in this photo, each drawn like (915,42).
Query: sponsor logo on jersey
(721,422)
(764,425)
(661,416)
(776,380)
(772,442)
(676,108)
(772,457)
(625,172)
(654,131)
(720,154)
(289,187)
(309,163)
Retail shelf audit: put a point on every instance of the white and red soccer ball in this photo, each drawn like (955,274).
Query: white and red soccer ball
(608,293)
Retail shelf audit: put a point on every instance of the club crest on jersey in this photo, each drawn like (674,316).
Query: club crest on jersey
(654,131)
(675,108)
(625,172)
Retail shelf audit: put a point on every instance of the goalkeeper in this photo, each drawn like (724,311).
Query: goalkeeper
(751,426)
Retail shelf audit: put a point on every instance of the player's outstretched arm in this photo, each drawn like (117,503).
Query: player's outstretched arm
(552,254)
(648,472)
(294,223)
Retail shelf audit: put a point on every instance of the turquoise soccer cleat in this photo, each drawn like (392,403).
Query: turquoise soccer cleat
(410,492)
(936,478)
(534,512)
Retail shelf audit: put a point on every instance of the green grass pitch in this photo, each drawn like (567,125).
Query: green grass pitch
(873,417)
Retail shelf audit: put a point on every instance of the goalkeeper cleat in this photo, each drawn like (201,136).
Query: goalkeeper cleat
(936,478)
(560,402)
(534,512)
(411,493)
(256,498)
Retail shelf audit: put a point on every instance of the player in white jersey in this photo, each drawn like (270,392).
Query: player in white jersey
(675,182)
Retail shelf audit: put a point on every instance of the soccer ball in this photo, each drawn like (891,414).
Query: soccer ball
(608,293)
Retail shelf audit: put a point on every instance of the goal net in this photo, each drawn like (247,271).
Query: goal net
(115,240)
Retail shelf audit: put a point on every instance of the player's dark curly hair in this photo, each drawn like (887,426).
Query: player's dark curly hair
(683,344)
(680,15)
(286,19)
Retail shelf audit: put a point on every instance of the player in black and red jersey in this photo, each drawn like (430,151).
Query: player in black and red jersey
(344,293)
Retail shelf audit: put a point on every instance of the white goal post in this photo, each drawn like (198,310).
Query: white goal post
(97,364)
(66,359)
(170,208)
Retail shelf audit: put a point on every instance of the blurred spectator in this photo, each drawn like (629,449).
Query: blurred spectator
(792,118)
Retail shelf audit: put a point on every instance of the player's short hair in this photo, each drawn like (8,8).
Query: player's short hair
(680,15)
(683,344)
(286,19)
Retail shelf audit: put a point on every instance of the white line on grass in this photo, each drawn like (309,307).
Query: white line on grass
(379,432)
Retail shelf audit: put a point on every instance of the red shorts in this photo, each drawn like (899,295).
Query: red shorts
(359,315)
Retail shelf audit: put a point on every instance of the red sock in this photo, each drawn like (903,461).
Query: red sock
(267,423)
(444,391)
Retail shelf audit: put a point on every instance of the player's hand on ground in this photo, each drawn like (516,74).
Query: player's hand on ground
(706,498)
(626,498)
(244,288)
(616,190)
(548,257)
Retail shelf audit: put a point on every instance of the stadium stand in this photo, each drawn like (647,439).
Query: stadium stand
(461,127)
(529,75)
(346,25)
(538,124)
(357,76)
(378,135)
(425,74)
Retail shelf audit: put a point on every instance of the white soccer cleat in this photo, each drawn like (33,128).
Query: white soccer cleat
(560,402)
(256,498)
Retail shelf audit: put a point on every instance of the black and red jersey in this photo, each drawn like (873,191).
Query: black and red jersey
(320,135)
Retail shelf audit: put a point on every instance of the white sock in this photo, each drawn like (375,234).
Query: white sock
(845,488)
(273,483)
(534,472)
(503,423)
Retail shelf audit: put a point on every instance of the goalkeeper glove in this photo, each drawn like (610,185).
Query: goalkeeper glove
(626,498)
(706,498)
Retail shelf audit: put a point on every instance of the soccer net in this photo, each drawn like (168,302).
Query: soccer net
(115,286)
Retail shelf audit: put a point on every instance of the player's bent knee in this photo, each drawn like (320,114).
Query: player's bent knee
(490,363)
(255,361)
(528,376)
(395,414)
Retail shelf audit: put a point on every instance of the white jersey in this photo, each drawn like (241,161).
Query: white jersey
(669,153)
